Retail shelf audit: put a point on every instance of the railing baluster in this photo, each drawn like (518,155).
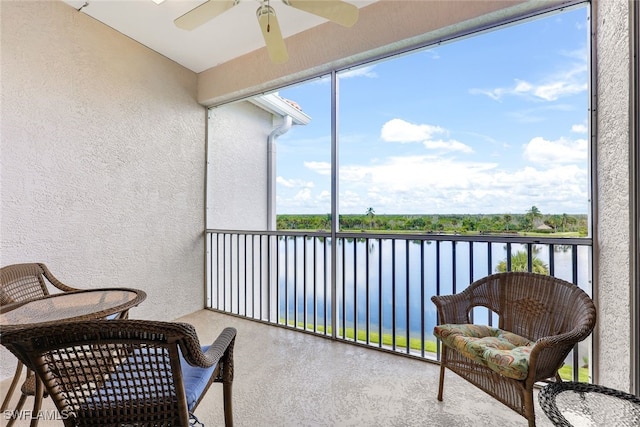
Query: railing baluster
(344,292)
(393,294)
(238,263)
(407,294)
(422,299)
(489,271)
(454,276)
(326,275)
(305,290)
(286,281)
(355,290)
(245,274)
(367,307)
(295,282)
(380,296)
(438,291)
(315,285)
(471,269)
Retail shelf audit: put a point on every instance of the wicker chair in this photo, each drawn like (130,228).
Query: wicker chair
(541,319)
(126,372)
(19,283)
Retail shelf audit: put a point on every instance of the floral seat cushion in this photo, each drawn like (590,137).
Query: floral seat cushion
(501,351)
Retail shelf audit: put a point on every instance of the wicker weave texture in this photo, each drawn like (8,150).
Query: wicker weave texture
(554,313)
(24,282)
(121,372)
(19,283)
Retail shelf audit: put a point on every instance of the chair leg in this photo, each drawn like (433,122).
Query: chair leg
(443,362)
(529,409)
(37,404)
(12,387)
(228,408)
(441,382)
(16,412)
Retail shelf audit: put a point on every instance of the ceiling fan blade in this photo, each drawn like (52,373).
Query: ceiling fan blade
(337,11)
(203,13)
(272,34)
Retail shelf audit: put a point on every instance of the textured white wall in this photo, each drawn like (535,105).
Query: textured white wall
(103,153)
(237,167)
(613,291)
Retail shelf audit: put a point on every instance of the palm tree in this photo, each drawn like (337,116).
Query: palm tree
(532,215)
(507,220)
(520,262)
(370,213)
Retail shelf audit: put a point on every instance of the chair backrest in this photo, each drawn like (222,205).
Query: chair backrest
(102,373)
(22,282)
(535,305)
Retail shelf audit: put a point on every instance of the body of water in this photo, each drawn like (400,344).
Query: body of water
(388,284)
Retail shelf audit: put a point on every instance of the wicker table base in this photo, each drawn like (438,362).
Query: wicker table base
(571,404)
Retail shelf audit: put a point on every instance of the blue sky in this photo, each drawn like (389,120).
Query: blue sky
(494,123)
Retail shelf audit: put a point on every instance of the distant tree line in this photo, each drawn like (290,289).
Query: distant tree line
(531,221)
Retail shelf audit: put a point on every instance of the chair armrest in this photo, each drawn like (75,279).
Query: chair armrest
(222,349)
(452,308)
(548,353)
(223,344)
(54,281)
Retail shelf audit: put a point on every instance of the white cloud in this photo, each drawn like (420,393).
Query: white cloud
(399,174)
(565,83)
(323,168)
(424,184)
(303,195)
(432,53)
(554,90)
(398,130)
(451,145)
(537,114)
(294,183)
(540,150)
(366,71)
(581,128)
(429,184)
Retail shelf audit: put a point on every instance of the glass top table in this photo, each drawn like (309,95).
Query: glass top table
(573,404)
(70,306)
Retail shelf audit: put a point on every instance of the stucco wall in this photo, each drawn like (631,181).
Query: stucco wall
(613,280)
(237,167)
(102,159)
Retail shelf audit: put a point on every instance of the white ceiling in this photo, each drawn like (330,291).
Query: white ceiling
(232,34)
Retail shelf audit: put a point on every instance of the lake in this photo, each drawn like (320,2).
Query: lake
(389,283)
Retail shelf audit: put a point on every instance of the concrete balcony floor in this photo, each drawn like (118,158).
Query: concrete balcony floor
(287,378)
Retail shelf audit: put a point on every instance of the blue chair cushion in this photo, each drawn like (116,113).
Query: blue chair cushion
(127,384)
(195,379)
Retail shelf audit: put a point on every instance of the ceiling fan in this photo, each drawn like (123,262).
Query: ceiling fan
(337,11)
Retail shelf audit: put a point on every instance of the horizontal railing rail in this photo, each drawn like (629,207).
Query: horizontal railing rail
(379,292)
